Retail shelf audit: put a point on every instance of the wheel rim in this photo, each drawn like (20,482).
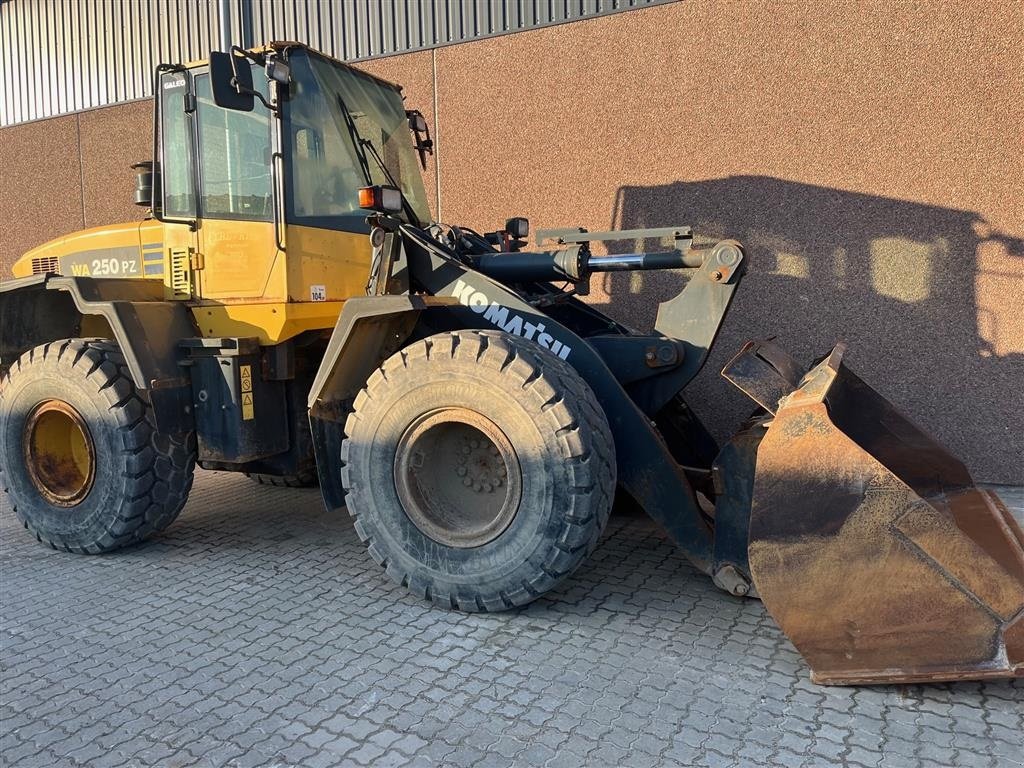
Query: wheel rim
(458,477)
(59,453)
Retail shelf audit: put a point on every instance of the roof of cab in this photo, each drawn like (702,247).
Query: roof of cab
(282,45)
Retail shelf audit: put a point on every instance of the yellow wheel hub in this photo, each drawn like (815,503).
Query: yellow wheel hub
(59,453)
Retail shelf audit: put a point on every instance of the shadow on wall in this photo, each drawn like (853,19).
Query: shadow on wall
(895,279)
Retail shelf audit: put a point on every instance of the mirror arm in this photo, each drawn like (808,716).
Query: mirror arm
(257,59)
(258,95)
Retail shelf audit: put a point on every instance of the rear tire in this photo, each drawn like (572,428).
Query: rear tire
(119,481)
(479,469)
(302,479)
(284,481)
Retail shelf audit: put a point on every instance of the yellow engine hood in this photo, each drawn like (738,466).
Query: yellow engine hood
(115,250)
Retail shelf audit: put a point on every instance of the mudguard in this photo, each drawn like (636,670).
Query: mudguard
(42,308)
(369,329)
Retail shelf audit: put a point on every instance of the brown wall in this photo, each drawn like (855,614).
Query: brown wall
(867,154)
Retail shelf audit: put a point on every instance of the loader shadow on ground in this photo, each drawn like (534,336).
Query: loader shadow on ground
(256,630)
(897,280)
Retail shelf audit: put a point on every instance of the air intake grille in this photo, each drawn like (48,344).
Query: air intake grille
(181,274)
(42,265)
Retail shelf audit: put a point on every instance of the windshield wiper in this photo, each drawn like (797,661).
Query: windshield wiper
(361,146)
(353,133)
(367,144)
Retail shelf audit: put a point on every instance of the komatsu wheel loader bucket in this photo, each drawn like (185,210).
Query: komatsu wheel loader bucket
(869,543)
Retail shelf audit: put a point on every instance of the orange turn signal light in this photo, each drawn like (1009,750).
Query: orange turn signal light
(381,199)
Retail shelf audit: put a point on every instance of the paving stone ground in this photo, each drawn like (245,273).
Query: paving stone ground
(257,632)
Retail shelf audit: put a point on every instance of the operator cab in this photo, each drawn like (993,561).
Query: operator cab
(339,129)
(259,158)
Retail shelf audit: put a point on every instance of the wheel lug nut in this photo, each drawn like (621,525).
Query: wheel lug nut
(476,486)
(461,471)
(474,443)
(467,482)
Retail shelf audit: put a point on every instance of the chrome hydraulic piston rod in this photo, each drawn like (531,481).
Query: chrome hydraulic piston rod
(574,262)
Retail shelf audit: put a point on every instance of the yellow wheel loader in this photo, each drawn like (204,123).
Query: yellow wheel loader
(289,305)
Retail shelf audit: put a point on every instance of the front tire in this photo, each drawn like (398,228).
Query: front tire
(80,457)
(479,469)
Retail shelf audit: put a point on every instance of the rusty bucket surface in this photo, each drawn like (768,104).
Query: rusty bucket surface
(869,543)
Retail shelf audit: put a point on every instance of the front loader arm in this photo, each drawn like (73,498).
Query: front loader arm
(633,376)
(693,318)
(454,295)
(646,468)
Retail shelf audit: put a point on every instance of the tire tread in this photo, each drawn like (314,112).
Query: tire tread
(581,428)
(140,513)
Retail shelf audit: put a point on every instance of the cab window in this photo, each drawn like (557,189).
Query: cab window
(344,131)
(325,169)
(178,200)
(234,158)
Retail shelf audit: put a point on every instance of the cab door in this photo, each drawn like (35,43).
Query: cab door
(238,256)
(173,252)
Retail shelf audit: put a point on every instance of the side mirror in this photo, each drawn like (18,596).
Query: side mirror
(417,122)
(231,81)
(421,133)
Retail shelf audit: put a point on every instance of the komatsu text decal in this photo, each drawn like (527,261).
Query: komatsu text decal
(507,320)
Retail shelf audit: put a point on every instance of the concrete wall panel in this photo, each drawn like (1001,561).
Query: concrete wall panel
(868,156)
(113,139)
(40,185)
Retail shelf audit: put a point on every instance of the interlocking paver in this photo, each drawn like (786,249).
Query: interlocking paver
(256,632)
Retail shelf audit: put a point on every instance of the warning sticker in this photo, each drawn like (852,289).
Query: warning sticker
(247,407)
